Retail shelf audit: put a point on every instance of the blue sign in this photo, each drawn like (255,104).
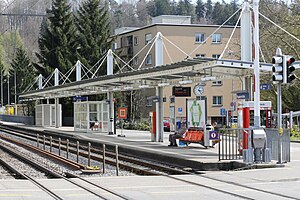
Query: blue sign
(79,98)
(213,135)
(222,111)
(265,86)
(180,110)
(242,95)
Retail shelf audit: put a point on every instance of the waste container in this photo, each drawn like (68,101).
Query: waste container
(178,125)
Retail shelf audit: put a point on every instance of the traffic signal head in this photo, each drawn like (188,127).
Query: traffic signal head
(289,69)
(277,69)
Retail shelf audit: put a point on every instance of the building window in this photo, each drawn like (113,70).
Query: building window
(114,46)
(217,83)
(149,59)
(199,37)
(148,38)
(136,60)
(217,100)
(216,38)
(200,55)
(216,56)
(136,41)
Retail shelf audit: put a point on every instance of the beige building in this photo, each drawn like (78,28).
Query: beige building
(182,39)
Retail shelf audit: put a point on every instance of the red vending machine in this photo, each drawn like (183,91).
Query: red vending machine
(246,117)
(152,116)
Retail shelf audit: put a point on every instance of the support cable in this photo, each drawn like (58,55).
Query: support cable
(147,53)
(214,32)
(165,48)
(226,46)
(280,27)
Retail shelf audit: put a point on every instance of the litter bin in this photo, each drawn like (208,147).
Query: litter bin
(178,125)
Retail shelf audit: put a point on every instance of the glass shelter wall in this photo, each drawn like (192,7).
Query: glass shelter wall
(45,115)
(91,116)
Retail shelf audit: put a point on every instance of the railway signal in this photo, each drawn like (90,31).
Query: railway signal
(278,72)
(289,69)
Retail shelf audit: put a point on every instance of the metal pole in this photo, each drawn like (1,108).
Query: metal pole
(117,160)
(2,103)
(15,80)
(67,148)
(59,146)
(44,142)
(256,65)
(89,154)
(8,93)
(279,123)
(103,158)
(37,140)
(77,151)
(50,143)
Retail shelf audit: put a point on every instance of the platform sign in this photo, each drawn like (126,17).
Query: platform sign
(265,86)
(79,98)
(122,113)
(213,135)
(180,111)
(222,111)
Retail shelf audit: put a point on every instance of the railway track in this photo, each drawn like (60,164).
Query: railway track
(134,165)
(66,176)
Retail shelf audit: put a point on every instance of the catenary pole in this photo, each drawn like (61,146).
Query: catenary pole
(256,65)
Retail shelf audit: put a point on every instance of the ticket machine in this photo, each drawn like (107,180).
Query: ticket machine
(246,117)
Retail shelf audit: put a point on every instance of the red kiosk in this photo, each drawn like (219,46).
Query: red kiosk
(246,117)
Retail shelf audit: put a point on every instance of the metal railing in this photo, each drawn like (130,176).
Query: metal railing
(231,144)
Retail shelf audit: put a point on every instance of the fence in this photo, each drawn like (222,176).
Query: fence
(231,144)
(29,120)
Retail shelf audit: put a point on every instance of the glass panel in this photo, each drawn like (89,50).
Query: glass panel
(93,107)
(105,117)
(105,107)
(93,117)
(105,126)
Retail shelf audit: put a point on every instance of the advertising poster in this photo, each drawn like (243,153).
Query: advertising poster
(196,113)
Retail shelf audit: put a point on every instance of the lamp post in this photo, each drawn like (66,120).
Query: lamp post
(15,80)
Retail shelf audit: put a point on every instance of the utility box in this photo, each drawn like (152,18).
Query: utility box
(207,141)
(259,138)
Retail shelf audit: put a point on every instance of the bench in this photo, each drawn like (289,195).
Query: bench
(195,136)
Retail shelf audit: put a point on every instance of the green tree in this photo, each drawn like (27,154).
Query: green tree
(200,10)
(93,27)
(10,41)
(209,10)
(217,16)
(185,7)
(160,7)
(57,39)
(22,67)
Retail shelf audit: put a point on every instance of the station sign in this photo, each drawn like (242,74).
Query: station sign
(265,86)
(222,111)
(242,95)
(122,113)
(213,135)
(79,98)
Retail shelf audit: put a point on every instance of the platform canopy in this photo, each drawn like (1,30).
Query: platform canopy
(194,70)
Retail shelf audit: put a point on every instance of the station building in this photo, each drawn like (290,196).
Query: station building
(180,39)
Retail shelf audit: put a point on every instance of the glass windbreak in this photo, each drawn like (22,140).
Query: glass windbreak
(93,117)
(93,107)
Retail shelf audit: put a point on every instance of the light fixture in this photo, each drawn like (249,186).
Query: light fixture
(183,82)
(208,78)
(128,88)
(116,89)
(144,86)
(163,84)
(105,90)
(93,91)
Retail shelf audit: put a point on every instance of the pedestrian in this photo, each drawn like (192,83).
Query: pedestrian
(179,134)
